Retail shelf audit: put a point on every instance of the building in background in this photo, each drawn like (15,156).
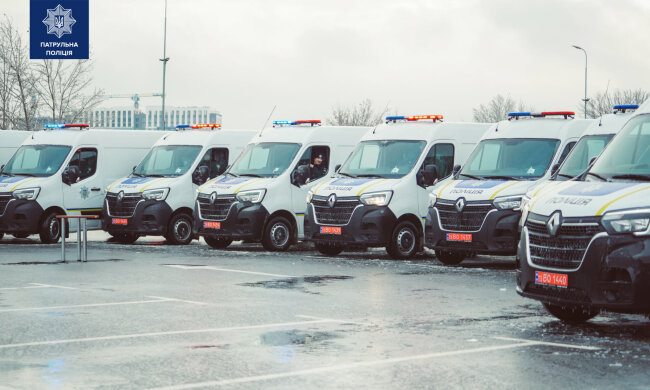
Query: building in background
(128,117)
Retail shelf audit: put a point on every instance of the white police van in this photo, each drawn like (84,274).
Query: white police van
(262,196)
(157,198)
(379,197)
(585,244)
(478,211)
(10,140)
(64,171)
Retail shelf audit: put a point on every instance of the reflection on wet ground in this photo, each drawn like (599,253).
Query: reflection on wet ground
(297,283)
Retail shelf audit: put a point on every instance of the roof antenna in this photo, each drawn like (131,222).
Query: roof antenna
(267,120)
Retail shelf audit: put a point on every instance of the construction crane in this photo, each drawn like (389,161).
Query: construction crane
(135,97)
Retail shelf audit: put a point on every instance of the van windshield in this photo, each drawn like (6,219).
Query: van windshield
(390,159)
(36,160)
(168,160)
(587,148)
(266,159)
(510,159)
(627,157)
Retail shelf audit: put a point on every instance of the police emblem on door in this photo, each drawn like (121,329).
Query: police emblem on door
(331,201)
(460,204)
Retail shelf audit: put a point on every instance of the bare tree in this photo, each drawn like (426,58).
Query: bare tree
(497,109)
(64,89)
(604,102)
(362,114)
(19,91)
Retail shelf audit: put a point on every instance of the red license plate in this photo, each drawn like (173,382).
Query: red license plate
(464,237)
(120,221)
(551,279)
(330,229)
(211,225)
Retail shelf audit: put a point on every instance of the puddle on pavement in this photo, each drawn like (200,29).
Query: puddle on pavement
(295,337)
(61,262)
(297,283)
(208,346)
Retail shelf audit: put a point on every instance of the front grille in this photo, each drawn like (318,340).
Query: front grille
(340,214)
(217,211)
(469,220)
(4,199)
(565,250)
(126,207)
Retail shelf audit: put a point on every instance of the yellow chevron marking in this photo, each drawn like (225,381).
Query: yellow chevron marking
(602,209)
(247,183)
(370,185)
(21,183)
(445,186)
(503,188)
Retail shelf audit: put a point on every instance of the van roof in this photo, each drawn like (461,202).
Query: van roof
(304,134)
(106,138)
(426,131)
(206,137)
(539,127)
(608,124)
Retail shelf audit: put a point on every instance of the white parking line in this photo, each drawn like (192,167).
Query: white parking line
(348,366)
(87,305)
(560,345)
(226,270)
(333,320)
(154,334)
(37,285)
(178,300)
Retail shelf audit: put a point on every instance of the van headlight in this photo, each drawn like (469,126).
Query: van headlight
(525,210)
(381,198)
(27,193)
(252,196)
(508,203)
(433,198)
(310,196)
(157,194)
(630,221)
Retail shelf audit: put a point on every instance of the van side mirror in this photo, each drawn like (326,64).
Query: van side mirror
(554,169)
(134,167)
(2,168)
(455,170)
(337,167)
(300,175)
(430,174)
(70,175)
(593,160)
(200,175)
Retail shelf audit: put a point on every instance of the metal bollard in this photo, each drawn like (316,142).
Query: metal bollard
(78,239)
(85,241)
(62,221)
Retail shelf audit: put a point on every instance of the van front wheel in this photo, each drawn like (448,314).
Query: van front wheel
(404,242)
(179,231)
(50,229)
(571,314)
(217,243)
(329,249)
(277,235)
(447,257)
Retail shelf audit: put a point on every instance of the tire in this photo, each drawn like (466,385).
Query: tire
(21,235)
(125,238)
(218,243)
(278,235)
(571,314)
(1,235)
(448,257)
(404,241)
(329,249)
(50,229)
(179,231)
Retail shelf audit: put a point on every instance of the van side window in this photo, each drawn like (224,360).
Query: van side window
(216,159)
(85,159)
(317,159)
(566,151)
(442,156)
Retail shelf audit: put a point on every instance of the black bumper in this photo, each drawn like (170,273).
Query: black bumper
(368,226)
(614,276)
(21,216)
(150,217)
(243,222)
(497,236)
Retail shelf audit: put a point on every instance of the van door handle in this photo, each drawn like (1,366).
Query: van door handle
(96,189)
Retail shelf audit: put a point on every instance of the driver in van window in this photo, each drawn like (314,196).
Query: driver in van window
(317,169)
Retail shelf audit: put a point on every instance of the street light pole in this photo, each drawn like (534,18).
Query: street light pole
(164,61)
(585,99)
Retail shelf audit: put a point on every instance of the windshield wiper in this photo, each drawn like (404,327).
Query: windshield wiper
(471,176)
(25,174)
(500,177)
(369,175)
(231,174)
(7,174)
(250,175)
(565,175)
(632,176)
(156,175)
(137,174)
(597,175)
(346,174)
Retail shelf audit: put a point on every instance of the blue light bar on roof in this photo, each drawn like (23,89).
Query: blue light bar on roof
(624,107)
(519,114)
(54,126)
(182,126)
(395,118)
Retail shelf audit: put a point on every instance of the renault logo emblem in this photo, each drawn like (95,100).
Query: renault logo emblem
(331,201)
(120,196)
(213,198)
(554,223)
(460,204)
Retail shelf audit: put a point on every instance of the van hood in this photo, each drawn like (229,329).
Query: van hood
(584,199)
(482,190)
(231,185)
(350,186)
(10,183)
(138,184)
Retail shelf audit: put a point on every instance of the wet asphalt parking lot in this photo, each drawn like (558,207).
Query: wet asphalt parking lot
(154,316)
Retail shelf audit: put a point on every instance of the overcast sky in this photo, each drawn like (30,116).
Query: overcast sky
(243,57)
